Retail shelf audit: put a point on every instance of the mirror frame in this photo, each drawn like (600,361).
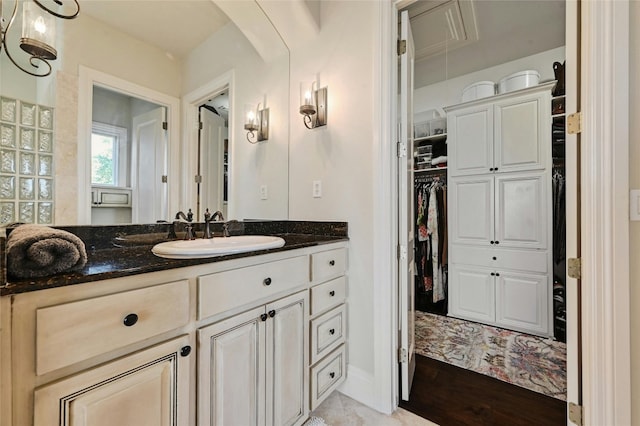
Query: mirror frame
(88,78)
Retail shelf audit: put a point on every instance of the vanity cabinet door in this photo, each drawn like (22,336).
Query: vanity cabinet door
(148,388)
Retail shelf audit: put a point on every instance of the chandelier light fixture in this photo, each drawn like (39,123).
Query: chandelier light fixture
(38,31)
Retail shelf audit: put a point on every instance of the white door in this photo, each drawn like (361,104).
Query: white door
(470,141)
(472,293)
(522,302)
(522,136)
(287,361)
(212,161)
(149,198)
(522,211)
(405,213)
(148,388)
(471,210)
(231,362)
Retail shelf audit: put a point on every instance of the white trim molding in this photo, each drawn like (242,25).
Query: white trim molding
(604,211)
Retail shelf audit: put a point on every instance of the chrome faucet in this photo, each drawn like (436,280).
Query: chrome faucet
(207,221)
(189,234)
(217,216)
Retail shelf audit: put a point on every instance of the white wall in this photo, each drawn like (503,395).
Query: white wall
(250,165)
(340,154)
(449,92)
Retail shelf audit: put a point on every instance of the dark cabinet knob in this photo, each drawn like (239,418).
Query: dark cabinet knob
(263,317)
(332,331)
(493,274)
(332,262)
(267,281)
(497,242)
(332,293)
(332,374)
(272,313)
(492,242)
(130,320)
(495,258)
(491,169)
(497,274)
(185,351)
(495,169)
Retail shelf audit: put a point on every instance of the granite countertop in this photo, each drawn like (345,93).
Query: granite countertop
(119,260)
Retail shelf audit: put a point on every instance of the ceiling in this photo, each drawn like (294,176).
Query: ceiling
(463,36)
(175,26)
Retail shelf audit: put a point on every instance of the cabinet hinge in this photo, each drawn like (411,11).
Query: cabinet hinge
(165,125)
(403,356)
(402,150)
(574,123)
(575,413)
(402,47)
(164,179)
(574,268)
(402,252)
(198,179)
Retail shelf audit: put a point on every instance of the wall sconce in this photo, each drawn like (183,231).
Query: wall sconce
(38,33)
(313,105)
(256,123)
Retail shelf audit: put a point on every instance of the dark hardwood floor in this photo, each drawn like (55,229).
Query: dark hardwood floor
(452,396)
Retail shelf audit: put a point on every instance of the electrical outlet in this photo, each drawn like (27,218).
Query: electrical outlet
(264,194)
(317,188)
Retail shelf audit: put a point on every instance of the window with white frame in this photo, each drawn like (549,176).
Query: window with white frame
(109,155)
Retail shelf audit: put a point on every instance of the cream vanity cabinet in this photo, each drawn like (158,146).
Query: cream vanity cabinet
(222,343)
(500,212)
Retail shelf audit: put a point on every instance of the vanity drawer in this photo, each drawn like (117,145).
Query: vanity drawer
(238,287)
(327,332)
(73,332)
(328,264)
(328,295)
(327,375)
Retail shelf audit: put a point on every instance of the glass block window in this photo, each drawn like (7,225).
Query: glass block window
(26,162)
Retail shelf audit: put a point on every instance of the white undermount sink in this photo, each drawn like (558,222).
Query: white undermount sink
(217,246)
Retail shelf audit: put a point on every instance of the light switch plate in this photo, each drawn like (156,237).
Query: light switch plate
(317,188)
(634,204)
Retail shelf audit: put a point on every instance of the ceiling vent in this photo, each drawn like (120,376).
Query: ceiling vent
(442,26)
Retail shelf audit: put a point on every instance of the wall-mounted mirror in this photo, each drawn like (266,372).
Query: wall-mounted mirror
(128,41)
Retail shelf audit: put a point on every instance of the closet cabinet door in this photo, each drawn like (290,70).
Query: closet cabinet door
(522,133)
(522,213)
(231,371)
(470,140)
(523,302)
(288,361)
(472,293)
(471,210)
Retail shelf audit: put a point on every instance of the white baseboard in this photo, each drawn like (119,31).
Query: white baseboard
(360,386)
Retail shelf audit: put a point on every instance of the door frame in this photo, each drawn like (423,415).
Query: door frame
(87,78)
(604,204)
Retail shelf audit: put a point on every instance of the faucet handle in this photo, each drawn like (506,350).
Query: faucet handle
(189,216)
(207,216)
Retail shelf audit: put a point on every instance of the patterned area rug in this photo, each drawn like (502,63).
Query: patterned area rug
(531,362)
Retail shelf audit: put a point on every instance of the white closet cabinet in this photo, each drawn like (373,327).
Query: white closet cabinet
(252,366)
(500,216)
(504,133)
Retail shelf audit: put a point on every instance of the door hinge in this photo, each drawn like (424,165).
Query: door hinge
(574,123)
(402,252)
(402,150)
(402,47)
(165,125)
(574,267)
(198,179)
(575,413)
(403,356)
(164,178)
(200,126)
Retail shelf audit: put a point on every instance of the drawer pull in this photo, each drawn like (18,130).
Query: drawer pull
(332,293)
(495,258)
(497,242)
(332,374)
(272,313)
(332,262)
(185,351)
(130,320)
(493,274)
(332,331)
(267,281)
(263,317)
(497,274)
(492,242)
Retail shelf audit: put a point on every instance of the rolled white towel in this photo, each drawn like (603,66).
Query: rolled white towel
(439,160)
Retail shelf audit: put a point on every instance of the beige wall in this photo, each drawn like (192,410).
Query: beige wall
(634,227)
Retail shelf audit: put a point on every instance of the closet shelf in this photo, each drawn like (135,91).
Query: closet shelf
(437,137)
(432,169)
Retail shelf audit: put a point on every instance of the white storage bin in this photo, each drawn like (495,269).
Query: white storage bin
(438,126)
(481,89)
(421,130)
(519,80)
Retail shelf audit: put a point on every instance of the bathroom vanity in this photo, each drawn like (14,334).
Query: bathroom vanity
(251,339)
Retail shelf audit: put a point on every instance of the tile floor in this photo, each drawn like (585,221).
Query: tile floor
(340,410)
